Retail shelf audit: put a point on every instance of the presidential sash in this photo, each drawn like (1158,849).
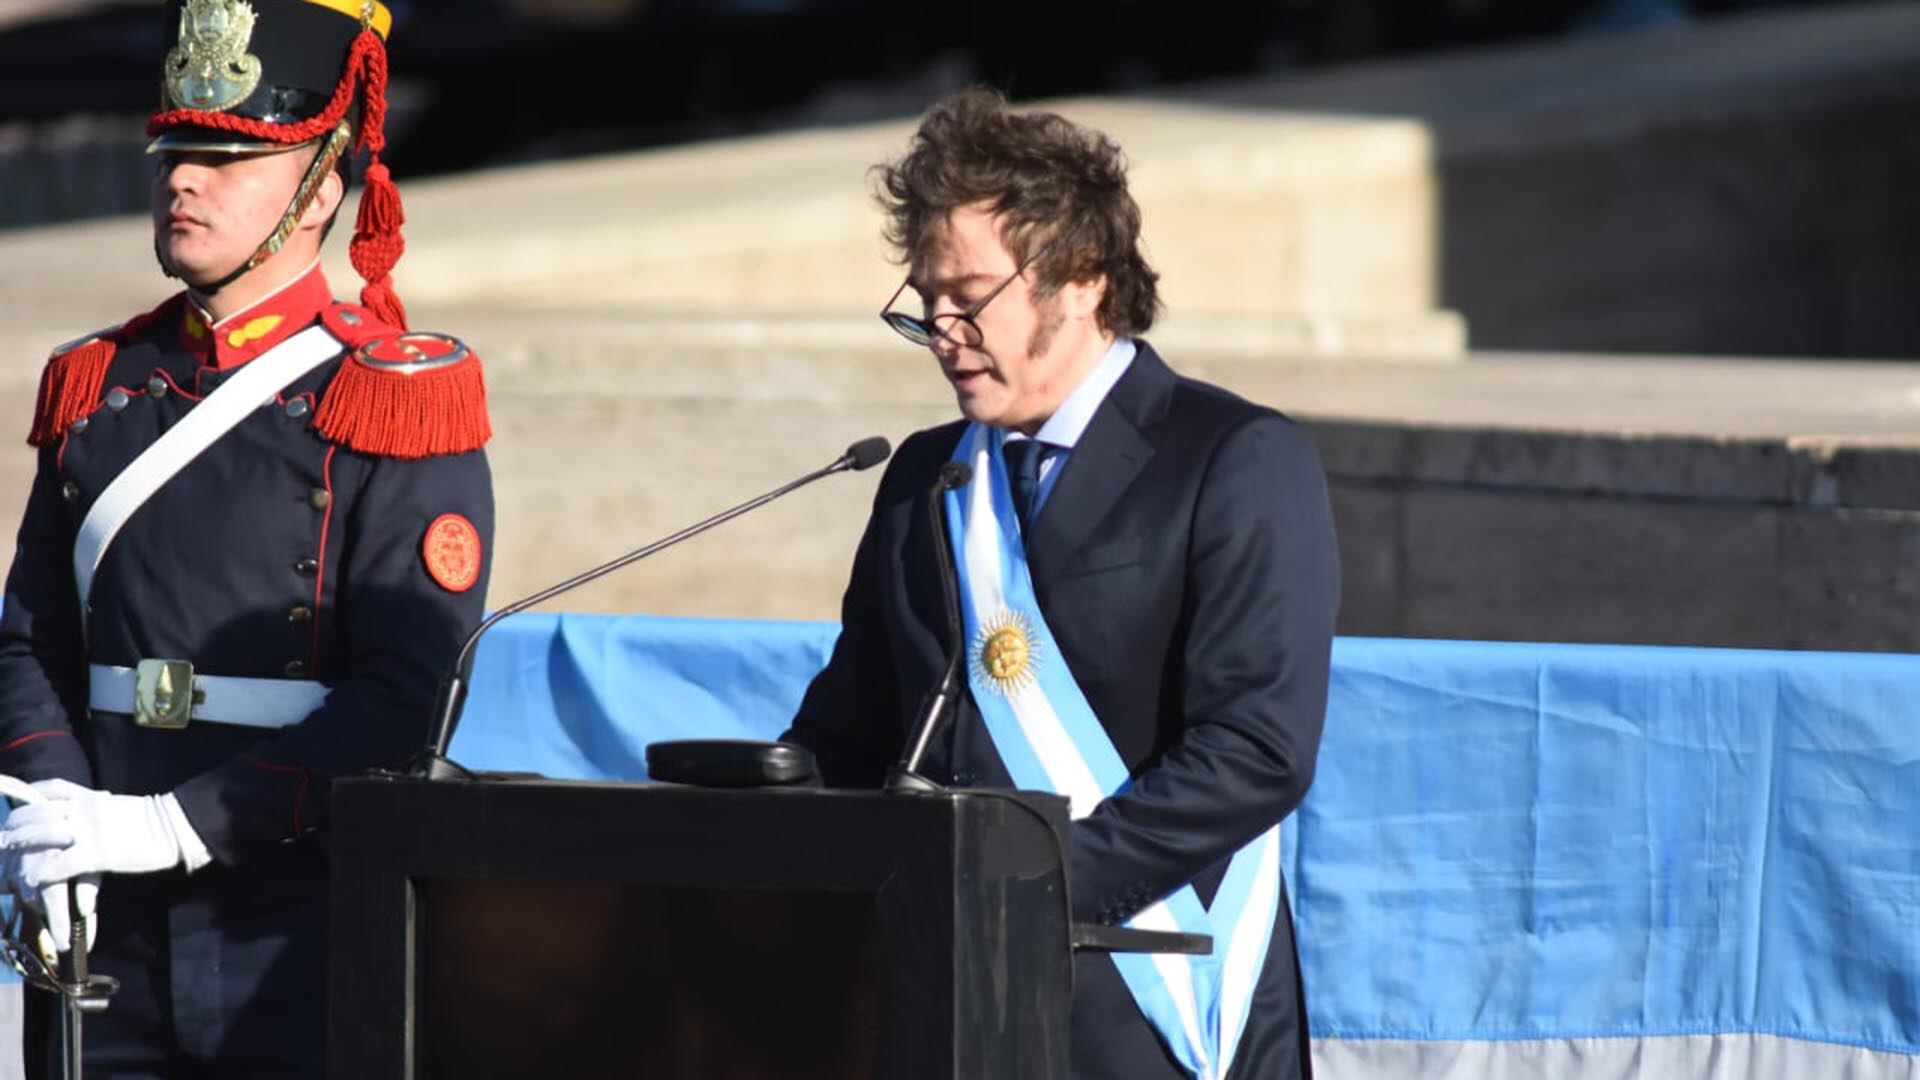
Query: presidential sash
(1050,739)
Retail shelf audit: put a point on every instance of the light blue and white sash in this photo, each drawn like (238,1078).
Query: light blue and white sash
(1050,740)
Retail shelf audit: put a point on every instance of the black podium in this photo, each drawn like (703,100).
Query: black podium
(559,930)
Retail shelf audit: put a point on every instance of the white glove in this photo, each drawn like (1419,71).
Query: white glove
(56,931)
(57,935)
(69,833)
(82,831)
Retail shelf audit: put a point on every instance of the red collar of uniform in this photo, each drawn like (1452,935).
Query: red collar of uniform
(267,322)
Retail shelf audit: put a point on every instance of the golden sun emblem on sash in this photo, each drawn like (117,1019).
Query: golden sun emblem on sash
(1005,653)
(210,67)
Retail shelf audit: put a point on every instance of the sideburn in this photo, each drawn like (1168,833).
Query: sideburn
(1052,318)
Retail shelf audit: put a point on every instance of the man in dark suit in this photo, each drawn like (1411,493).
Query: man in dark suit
(1149,577)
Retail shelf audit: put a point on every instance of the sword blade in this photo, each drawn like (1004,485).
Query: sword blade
(70,1038)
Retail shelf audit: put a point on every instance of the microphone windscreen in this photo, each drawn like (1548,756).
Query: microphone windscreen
(869,452)
(955,474)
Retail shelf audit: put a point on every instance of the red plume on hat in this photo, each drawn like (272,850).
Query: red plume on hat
(246,76)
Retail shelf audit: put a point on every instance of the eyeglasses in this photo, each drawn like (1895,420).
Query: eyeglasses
(958,327)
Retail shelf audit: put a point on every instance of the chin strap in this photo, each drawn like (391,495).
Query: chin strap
(323,161)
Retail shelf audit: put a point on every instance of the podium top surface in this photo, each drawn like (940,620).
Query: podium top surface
(789,837)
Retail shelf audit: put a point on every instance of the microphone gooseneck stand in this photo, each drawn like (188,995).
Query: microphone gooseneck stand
(432,761)
(905,776)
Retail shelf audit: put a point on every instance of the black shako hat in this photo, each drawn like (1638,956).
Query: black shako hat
(261,76)
(254,76)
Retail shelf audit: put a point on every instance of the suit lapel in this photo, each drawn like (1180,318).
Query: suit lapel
(1102,466)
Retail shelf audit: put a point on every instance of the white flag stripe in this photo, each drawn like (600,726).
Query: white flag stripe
(1728,1056)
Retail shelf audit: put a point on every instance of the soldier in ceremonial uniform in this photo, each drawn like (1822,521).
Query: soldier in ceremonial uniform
(259,530)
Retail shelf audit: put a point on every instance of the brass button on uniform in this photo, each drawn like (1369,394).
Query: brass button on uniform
(299,613)
(157,387)
(117,399)
(71,490)
(319,498)
(307,567)
(296,669)
(297,408)
(77,426)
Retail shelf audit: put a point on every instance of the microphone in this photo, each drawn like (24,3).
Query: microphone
(905,776)
(432,761)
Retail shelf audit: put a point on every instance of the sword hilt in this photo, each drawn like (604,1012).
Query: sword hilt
(88,993)
(75,962)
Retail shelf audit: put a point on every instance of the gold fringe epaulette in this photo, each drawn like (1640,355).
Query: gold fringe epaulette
(403,395)
(70,383)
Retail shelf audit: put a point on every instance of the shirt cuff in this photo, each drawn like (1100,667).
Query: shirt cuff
(193,850)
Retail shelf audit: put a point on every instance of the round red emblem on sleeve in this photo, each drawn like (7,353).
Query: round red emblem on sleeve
(452,552)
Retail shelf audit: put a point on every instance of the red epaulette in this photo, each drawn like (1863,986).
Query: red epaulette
(401,394)
(70,383)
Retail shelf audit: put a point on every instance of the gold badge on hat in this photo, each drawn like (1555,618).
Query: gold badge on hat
(210,68)
(1005,652)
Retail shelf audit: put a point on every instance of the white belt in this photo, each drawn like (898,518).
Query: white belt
(220,699)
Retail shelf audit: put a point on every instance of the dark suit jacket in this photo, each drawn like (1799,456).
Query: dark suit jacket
(1185,562)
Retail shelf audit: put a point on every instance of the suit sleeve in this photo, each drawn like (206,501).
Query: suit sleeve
(402,630)
(1262,592)
(43,667)
(849,717)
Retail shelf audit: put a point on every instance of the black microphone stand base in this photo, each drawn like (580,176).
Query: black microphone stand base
(431,766)
(903,781)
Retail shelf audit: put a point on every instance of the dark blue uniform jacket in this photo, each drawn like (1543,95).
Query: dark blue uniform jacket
(280,553)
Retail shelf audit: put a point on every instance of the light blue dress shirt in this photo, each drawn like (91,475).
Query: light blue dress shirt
(1063,429)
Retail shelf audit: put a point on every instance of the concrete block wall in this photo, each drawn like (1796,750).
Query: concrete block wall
(1662,503)
(1564,536)
(1739,185)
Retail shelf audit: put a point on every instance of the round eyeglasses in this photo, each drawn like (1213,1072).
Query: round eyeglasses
(958,327)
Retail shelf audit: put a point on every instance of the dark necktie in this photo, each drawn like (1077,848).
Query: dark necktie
(1023,472)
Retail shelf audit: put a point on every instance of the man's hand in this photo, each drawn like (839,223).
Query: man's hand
(61,845)
(56,933)
(79,832)
(56,924)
